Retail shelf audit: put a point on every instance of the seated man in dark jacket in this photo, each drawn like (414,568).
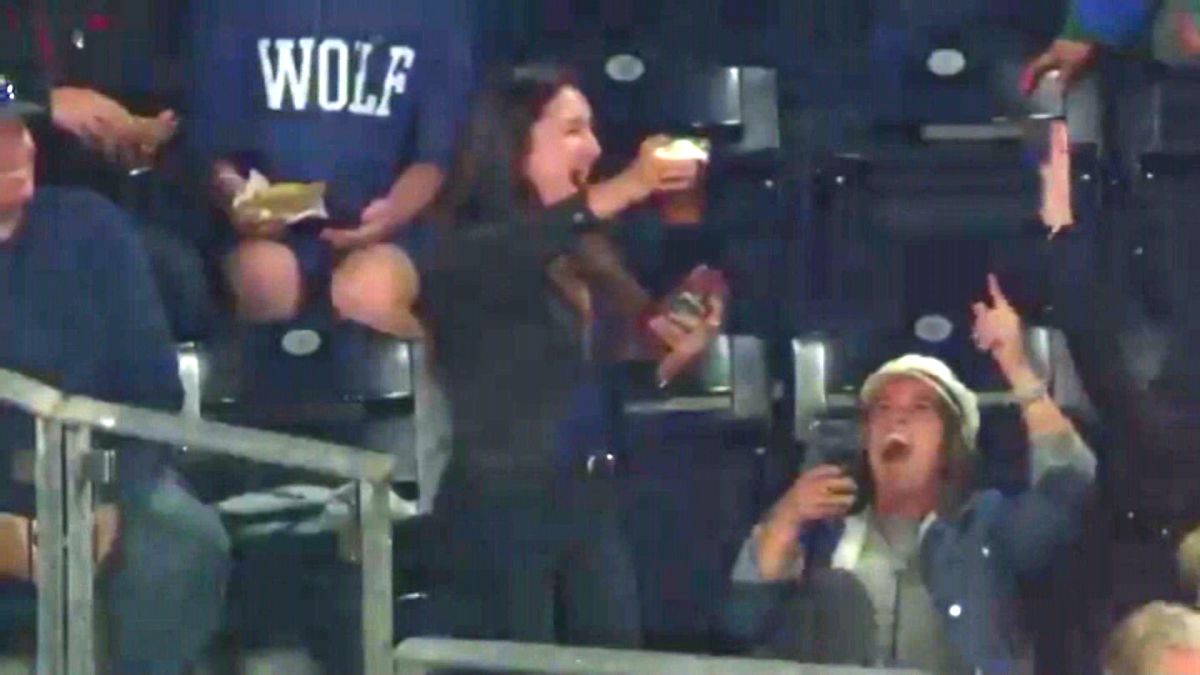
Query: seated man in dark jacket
(78,310)
(926,574)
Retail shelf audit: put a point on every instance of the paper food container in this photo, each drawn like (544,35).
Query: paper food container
(289,202)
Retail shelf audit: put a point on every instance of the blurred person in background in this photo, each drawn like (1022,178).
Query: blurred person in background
(1189,564)
(112,125)
(1159,639)
(62,39)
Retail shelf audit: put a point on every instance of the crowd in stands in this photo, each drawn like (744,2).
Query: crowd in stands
(467,209)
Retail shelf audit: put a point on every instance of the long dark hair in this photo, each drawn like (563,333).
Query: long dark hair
(487,182)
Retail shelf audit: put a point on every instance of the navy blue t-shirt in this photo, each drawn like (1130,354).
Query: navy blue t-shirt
(79,311)
(345,91)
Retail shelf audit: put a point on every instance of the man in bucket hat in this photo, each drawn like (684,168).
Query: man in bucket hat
(78,309)
(900,563)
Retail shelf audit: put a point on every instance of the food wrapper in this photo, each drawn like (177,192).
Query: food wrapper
(685,149)
(287,202)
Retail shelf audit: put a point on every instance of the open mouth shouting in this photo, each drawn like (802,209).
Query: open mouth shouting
(896,448)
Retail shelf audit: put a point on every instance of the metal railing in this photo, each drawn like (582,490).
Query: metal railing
(427,655)
(67,465)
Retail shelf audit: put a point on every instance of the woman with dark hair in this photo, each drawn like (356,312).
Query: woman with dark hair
(531,535)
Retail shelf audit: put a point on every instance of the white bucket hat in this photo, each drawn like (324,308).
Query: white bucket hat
(939,376)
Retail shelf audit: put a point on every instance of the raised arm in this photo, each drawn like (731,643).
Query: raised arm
(1039,522)
(998,331)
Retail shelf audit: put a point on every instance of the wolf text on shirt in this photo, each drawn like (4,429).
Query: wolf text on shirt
(333,75)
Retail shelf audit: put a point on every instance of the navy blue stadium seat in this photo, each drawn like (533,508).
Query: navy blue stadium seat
(344,384)
(901,234)
(692,457)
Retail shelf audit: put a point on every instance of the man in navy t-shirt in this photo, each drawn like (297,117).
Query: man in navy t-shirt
(78,310)
(364,95)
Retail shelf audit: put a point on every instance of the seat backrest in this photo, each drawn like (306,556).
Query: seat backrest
(907,231)
(348,384)
(731,380)
(286,365)
(736,106)
(945,63)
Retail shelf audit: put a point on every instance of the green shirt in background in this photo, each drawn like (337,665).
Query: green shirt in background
(1123,25)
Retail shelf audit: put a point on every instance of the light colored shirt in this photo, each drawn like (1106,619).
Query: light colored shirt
(908,632)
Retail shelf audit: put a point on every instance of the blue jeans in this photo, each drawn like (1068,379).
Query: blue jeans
(163,589)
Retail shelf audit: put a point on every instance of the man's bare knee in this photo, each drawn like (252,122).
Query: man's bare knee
(377,287)
(266,283)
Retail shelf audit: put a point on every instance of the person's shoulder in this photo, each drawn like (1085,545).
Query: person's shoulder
(439,20)
(83,216)
(981,511)
(60,196)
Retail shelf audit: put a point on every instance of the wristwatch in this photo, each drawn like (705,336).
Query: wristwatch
(1030,394)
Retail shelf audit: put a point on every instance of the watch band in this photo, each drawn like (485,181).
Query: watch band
(1031,394)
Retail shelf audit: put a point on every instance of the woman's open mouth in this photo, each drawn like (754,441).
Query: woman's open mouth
(896,448)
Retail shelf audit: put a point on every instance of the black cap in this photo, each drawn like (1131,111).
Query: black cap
(22,93)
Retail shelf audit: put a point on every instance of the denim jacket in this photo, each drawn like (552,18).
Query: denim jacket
(971,563)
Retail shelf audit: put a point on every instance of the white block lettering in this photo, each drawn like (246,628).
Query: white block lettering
(333,89)
(363,103)
(396,81)
(282,72)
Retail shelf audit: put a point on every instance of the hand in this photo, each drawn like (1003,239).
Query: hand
(650,173)
(106,531)
(18,554)
(998,329)
(379,220)
(97,120)
(821,493)
(1071,58)
(1186,33)
(1056,212)
(687,335)
(250,226)
(105,125)
(147,138)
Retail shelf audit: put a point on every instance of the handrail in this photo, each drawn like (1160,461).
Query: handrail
(35,398)
(64,508)
(434,654)
(260,446)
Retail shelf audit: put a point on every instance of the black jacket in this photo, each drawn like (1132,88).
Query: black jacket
(1152,457)
(508,348)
